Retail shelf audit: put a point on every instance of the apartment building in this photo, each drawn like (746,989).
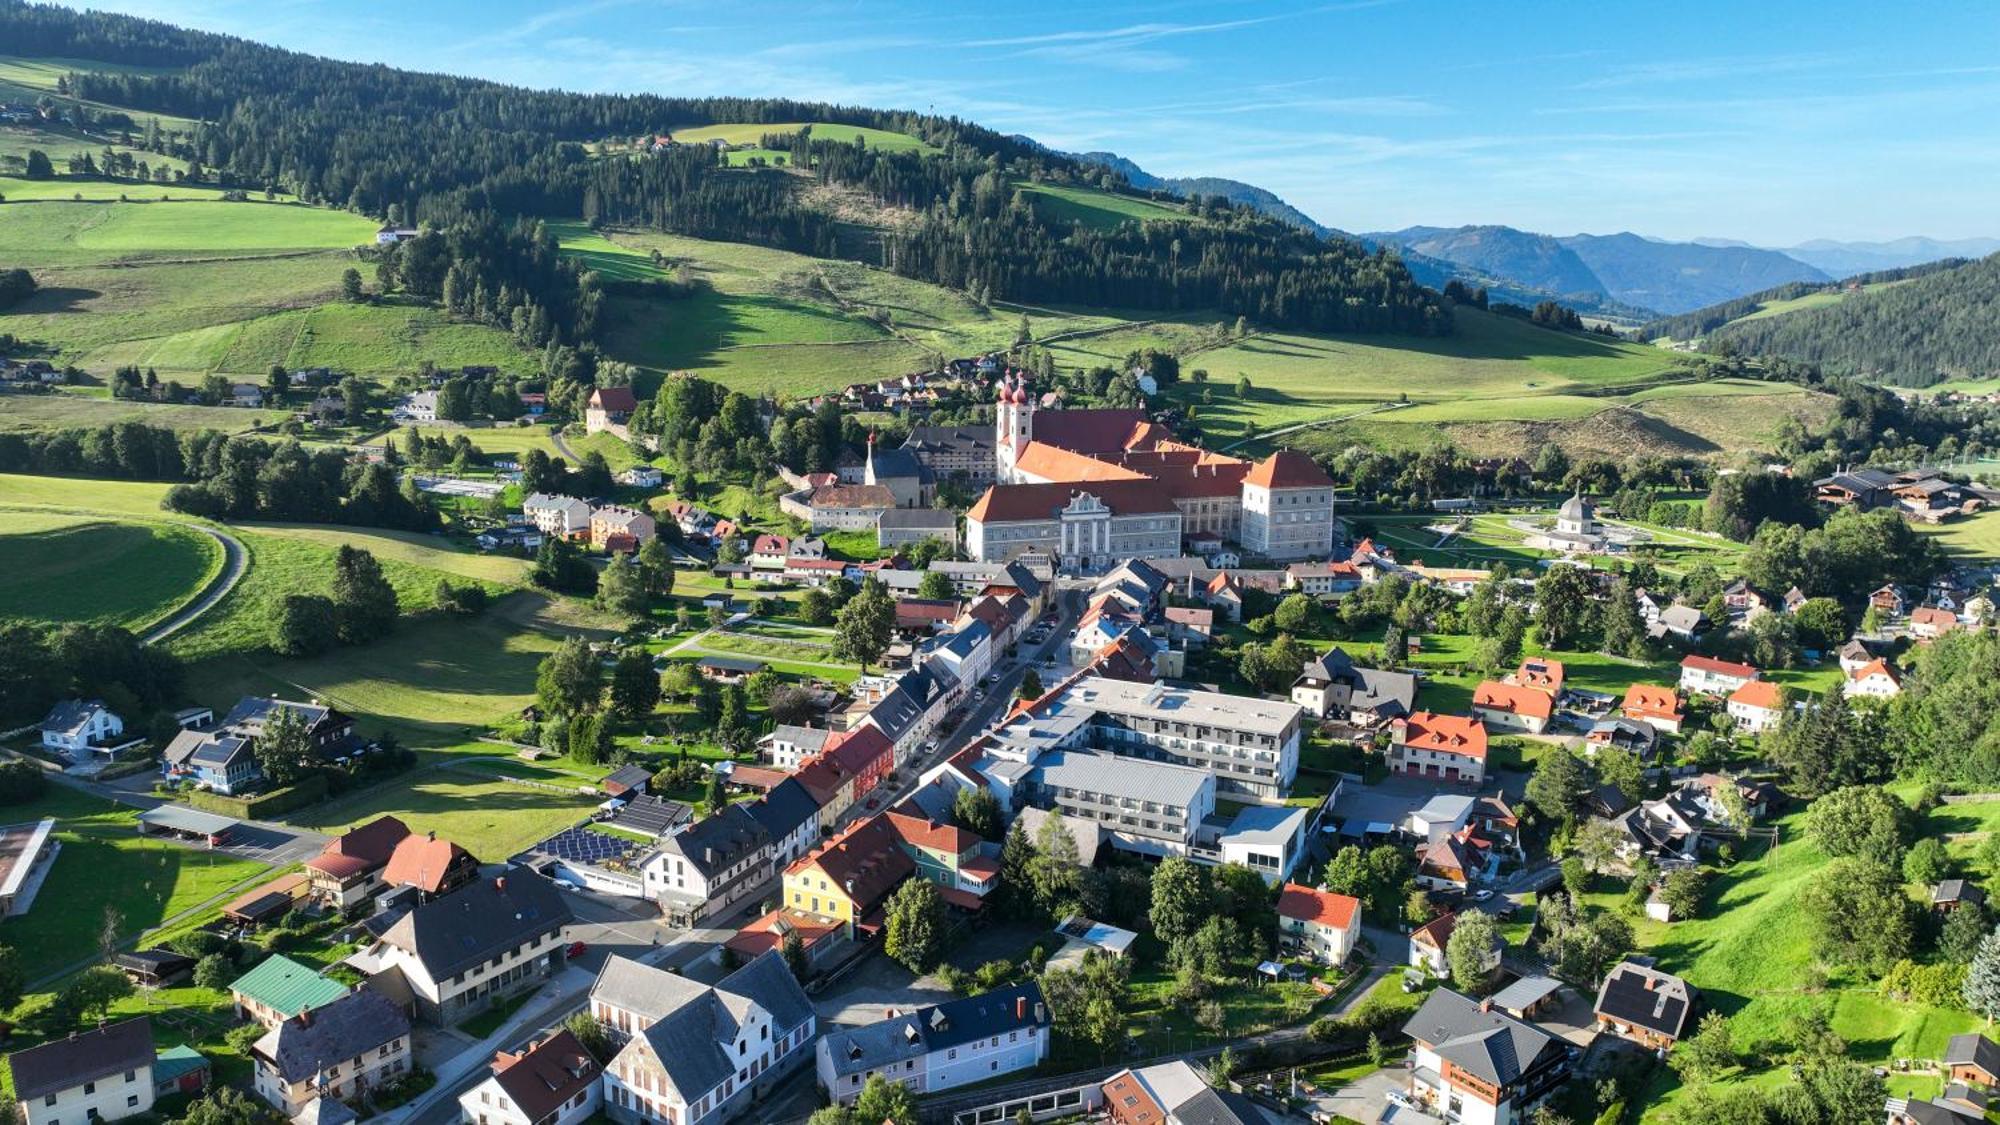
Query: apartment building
(1148,807)
(459,954)
(708,865)
(1477,1065)
(939,1047)
(1251,746)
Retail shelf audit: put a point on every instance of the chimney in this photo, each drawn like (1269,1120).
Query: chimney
(500,883)
(305,1017)
(1649,984)
(1020,1007)
(1486,1005)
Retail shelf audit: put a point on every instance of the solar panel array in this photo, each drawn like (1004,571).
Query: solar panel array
(581,845)
(653,816)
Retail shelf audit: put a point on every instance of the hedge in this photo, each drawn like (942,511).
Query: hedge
(310,789)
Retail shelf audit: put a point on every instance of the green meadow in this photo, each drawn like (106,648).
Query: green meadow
(110,572)
(754,134)
(1095,209)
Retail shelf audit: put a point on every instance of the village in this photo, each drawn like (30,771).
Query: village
(1039,790)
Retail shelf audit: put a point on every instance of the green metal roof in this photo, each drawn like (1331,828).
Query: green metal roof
(176,1061)
(287,987)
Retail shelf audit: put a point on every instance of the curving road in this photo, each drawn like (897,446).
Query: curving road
(234,560)
(562,447)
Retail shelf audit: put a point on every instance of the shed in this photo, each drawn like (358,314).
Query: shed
(180,1070)
(269,902)
(626,781)
(173,820)
(1526,996)
(153,968)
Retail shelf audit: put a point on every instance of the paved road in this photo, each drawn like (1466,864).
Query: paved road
(562,447)
(234,560)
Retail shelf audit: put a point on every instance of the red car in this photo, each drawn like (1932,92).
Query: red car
(575,950)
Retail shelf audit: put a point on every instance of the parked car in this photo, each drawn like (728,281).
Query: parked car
(575,950)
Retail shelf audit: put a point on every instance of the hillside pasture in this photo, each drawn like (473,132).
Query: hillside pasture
(753,134)
(67,568)
(490,817)
(59,411)
(1099,210)
(1975,537)
(66,233)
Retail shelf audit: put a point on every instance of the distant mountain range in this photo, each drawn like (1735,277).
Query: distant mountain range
(1628,276)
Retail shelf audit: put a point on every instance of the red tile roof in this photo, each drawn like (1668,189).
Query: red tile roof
(1759,693)
(920,831)
(1876,667)
(1054,463)
(770,545)
(614,399)
(1540,672)
(360,849)
(853,496)
(545,1076)
(1435,932)
(1448,734)
(857,751)
(866,860)
(1517,699)
(1932,615)
(1288,468)
(1652,700)
(1720,667)
(1323,907)
(768,933)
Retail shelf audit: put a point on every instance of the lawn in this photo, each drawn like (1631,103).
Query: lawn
(430,551)
(106,865)
(101,190)
(76,494)
(501,441)
(68,411)
(60,232)
(1099,210)
(79,568)
(491,818)
(1970,537)
(436,681)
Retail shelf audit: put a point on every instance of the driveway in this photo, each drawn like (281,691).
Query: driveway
(1363,1099)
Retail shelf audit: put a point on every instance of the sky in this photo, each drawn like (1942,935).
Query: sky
(1772,122)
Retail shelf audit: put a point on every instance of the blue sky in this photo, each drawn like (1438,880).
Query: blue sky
(1772,122)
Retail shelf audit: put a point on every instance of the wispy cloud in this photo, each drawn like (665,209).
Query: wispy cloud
(1663,71)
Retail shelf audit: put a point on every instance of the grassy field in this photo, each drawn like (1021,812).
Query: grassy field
(754,134)
(66,233)
(500,441)
(779,321)
(491,818)
(1971,537)
(293,561)
(110,497)
(106,865)
(1099,210)
(102,190)
(64,410)
(429,551)
(80,568)
(434,681)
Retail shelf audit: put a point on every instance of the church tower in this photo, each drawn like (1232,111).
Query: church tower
(1013,427)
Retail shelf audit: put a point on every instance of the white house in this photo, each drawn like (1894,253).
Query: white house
(1757,706)
(641,476)
(1318,924)
(1476,1064)
(1876,680)
(695,1054)
(1709,676)
(941,1046)
(78,726)
(359,1042)
(459,954)
(554,1082)
(557,515)
(98,1075)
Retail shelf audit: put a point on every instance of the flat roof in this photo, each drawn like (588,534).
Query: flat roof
(180,819)
(1212,708)
(1525,993)
(19,845)
(1123,777)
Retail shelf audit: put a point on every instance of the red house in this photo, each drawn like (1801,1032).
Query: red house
(866,753)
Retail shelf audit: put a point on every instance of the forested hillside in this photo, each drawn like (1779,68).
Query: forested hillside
(1945,325)
(413,147)
(1699,323)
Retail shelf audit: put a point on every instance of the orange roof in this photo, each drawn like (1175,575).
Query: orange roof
(1876,668)
(1540,672)
(1652,699)
(1517,699)
(923,832)
(866,860)
(423,862)
(768,933)
(1759,693)
(1437,931)
(1288,468)
(1449,734)
(1096,431)
(1222,581)
(1323,907)
(1054,463)
(360,849)
(1932,615)
(1720,667)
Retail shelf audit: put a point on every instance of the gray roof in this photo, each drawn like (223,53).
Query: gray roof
(252,711)
(1122,777)
(71,714)
(187,820)
(935,1028)
(1973,1049)
(784,808)
(1525,993)
(85,1056)
(1490,1045)
(1645,997)
(895,713)
(692,1021)
(919,518)
(717,843)
(810,740)
(453,933)
(324,1111)
(1266,824)
(1088,834)
(1219,1107)
(961,439)
(895,463)
(332,1034)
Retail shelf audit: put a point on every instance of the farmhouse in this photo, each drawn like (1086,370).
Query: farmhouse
(98,1075)
(340,1050)
(349,868)
(429,866)
(279,988)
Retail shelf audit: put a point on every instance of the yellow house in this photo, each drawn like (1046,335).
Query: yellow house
(847,878)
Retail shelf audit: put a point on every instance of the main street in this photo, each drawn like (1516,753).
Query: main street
(609,927)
